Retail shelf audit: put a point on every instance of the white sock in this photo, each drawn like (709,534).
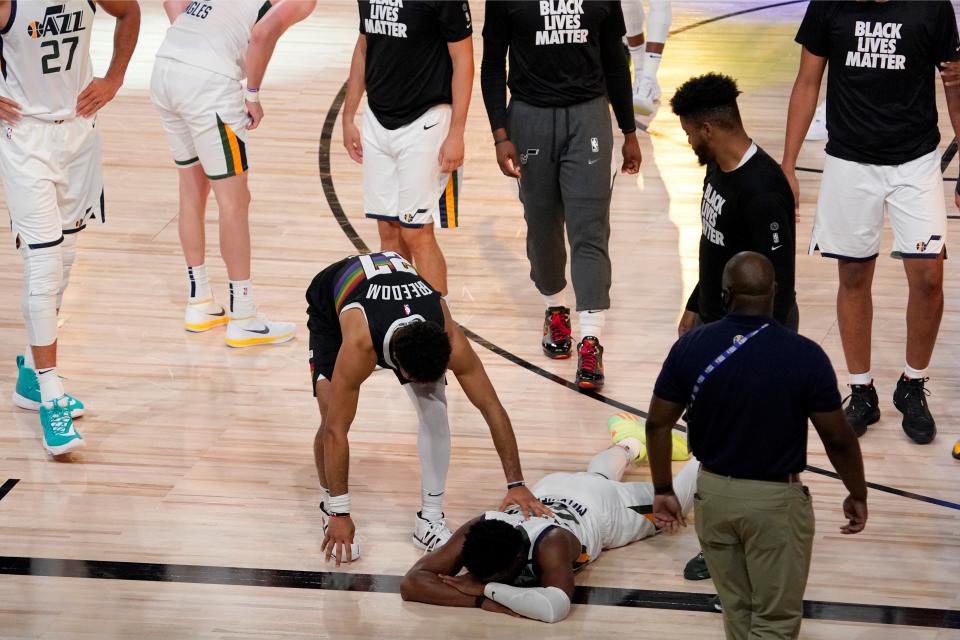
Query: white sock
(636,56)
(861,378)
(914,374)
(610,463)
(651,64)
(51,386)
(28,358)
(591,323)
(559,299)
(198,287)
(241,300)
(431,505)
(632,446)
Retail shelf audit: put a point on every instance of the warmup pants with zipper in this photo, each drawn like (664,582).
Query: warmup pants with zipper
(565,155)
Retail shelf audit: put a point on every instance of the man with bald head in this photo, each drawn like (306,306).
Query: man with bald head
(748,385)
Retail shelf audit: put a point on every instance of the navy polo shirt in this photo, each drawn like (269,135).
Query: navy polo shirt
(750,416)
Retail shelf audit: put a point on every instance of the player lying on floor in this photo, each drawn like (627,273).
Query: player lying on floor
(527,567)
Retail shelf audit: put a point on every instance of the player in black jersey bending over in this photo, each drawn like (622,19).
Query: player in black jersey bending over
(374,309)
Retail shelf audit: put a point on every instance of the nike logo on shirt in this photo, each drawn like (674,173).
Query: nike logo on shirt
(594,161)
(776,247)
(430,126)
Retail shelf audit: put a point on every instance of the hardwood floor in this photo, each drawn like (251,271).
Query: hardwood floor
(201,455)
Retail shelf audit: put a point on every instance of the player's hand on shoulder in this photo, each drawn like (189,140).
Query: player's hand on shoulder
(667,513)
(530,506)
(353,141)
(255,112)
(337,541)
(95,96)
(9,111)
(631,154)
(466,583)
(451,153)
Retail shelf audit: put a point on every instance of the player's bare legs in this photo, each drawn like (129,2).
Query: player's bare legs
(427,256)
(924,308)
(392,240)
(323,390)
(855,312)
(233,199)
(194,190)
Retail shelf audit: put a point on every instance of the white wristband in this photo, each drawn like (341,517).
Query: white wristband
(252,95)
(339,504)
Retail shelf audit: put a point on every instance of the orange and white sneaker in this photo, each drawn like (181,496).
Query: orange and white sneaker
(257,330)
(204,315)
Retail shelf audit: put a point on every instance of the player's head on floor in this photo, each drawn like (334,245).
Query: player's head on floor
(421,350)
(494,551)
(708,111)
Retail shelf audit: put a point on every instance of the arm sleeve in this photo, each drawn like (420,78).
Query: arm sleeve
(772,232)
(456,23)
(693,302)
(546,604)
(813,32)
(946,45)
(493,68)
(671,385)
(616,70)
(823,394)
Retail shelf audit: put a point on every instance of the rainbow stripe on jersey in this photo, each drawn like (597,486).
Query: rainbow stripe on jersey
(352,277)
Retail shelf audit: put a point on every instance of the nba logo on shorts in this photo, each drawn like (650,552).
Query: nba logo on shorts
(594,145)
(406,309)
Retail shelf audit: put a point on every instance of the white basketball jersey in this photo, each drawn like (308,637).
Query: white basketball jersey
(214,34)
(45,56)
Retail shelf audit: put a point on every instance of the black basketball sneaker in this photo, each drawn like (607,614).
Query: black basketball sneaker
(557,342)
(910,398)
(863,408)
(696,568)
(589,363)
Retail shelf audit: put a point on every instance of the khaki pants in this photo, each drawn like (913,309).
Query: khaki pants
(756,538)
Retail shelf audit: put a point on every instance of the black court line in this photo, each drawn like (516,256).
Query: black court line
(330,191)
(380,583)
(7,487)
(734,14)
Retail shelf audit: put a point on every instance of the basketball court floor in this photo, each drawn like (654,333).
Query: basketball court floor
(192,512)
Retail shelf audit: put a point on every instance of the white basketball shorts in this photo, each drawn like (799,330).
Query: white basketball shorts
(854,197)
(204,116)
(401,171)
(52,178)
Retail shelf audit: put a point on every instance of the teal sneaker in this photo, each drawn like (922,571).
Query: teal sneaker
(59,436)
(26,394)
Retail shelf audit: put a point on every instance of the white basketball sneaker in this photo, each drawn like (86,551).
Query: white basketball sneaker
(430,535)
(354,546)
(646,93)
(818,126)
(204,315)
(257,330)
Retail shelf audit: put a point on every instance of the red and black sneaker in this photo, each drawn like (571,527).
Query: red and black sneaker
(557,342)
(590,363)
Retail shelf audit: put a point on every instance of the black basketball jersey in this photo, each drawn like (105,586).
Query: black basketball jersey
(390,293)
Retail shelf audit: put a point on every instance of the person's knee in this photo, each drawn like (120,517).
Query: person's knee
(389,233)
(927,281)
(233,195)
(855,276)
(420,240)
(43,274)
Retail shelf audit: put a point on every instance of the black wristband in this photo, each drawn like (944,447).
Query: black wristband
(515,484)
(340,515)
(500,141)
(479,601)
(663,490)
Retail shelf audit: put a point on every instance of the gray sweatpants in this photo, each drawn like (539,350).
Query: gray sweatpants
(565,155)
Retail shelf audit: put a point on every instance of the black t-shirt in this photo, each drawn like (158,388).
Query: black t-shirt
(562,52)
(750,416)
(747,209)
(881,101)
(408,66)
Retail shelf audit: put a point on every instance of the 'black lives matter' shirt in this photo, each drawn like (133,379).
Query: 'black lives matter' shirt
(408,66)
(747,209)
(881,101)
(562,53)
